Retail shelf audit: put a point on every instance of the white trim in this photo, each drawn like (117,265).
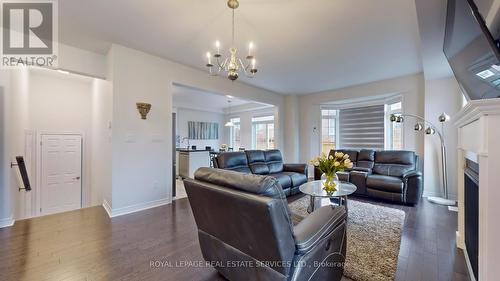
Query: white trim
(469,266)
(7,222)
(134,208)
(438,194)
(361,101)
(476,109)
(107,207)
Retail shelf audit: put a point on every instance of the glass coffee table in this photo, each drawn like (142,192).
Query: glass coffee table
(315,190)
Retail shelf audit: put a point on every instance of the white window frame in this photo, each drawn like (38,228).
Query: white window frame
(263,122)
(321,126)
(389,144)
(231,131)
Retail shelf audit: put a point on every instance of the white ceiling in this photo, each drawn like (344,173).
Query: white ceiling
(191,98)
(302,46)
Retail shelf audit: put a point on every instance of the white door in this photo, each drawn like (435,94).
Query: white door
(61,172)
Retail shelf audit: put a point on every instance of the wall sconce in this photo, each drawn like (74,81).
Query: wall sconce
(143,109)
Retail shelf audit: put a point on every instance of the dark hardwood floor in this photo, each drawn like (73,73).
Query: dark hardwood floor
(161,244)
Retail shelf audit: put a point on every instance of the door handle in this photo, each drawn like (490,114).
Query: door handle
(77,178)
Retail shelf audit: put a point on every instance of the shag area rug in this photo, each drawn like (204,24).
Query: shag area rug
(373,239)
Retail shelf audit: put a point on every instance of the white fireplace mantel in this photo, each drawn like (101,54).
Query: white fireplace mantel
(478,126)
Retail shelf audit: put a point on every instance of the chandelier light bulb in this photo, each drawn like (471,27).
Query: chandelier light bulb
(217,45)
(209,58)
(250,49)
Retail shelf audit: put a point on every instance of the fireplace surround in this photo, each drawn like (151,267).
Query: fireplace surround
(478,125)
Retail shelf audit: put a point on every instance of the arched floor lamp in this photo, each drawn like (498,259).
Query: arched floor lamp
(431,130)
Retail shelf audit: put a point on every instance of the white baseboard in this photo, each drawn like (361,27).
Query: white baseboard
(438,194)
(107,207)
(133,208)
(7,222)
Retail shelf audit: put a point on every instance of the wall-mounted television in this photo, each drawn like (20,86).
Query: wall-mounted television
(471,50)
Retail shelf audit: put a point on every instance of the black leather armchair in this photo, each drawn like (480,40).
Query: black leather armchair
(243,219)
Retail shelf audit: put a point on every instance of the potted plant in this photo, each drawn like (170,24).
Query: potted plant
(329,166)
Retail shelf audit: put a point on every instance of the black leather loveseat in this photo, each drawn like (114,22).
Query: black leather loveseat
(391,175)
(264,162)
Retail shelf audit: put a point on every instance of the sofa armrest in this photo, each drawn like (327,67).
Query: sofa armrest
(410,174)
(362,169)
(297,168)
(318,225)
(413,183)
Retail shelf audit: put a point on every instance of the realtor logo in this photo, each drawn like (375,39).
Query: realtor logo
(29,33)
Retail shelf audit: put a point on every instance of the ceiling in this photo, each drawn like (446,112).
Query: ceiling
(301,46)
(191,98)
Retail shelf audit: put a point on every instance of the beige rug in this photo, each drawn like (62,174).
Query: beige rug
(373,239)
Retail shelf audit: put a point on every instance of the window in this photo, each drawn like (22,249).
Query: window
(362,127)
(235,135)
(395,128)
(328,130)
(263,132)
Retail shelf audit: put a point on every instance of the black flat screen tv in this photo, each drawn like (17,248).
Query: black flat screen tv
(471,50)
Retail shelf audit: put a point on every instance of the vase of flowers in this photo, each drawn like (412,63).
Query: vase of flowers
(329,166)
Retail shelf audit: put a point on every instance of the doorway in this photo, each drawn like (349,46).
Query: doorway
(60,173)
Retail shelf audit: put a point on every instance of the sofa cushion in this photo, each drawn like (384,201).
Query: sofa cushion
(234,161)
(261,185)
(394,163)
(283,179)
(257,162)
(385,183)
(353,154)
(343,176)
(366,157)
(274,161)
(297,178)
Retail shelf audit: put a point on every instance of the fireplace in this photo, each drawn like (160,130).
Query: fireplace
(478,168)
(471,202)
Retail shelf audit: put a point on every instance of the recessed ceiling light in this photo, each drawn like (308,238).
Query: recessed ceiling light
(229,96)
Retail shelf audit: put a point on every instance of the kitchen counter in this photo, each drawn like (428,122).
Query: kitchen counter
(191,160)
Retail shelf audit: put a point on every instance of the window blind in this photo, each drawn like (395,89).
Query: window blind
(362,127)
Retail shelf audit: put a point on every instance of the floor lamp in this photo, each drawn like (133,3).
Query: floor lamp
(431,130)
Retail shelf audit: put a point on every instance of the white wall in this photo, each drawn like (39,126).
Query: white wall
(81,61)
(185,115)
(142,149)
(61,103)
(292,128)
(411,88)
(6,115)
(441,95)
(101,123)
(18,123)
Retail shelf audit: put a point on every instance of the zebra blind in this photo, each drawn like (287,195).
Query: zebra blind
(362,127)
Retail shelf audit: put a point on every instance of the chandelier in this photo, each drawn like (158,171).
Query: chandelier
(232,65)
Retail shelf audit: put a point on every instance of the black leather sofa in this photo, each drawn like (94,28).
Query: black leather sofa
(265,162)
(390,175)
(246,232)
